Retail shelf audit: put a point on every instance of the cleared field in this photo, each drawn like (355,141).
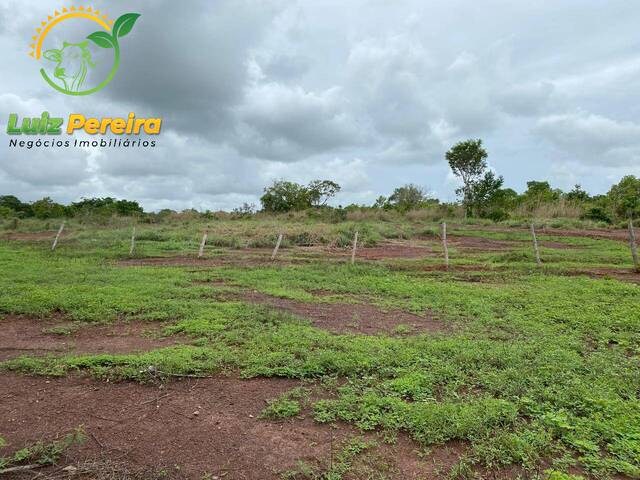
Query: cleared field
(235,366)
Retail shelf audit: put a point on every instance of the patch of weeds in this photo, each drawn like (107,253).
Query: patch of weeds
(512,257)
(63,330)
(267,241)
(556,475)
(462,470)
(304,238)
(151,236)
(43,453)
(226,242)
(355,321)
(302,471)
(367,236)
(526,446)
(339,465)
(287,405)
(402,329)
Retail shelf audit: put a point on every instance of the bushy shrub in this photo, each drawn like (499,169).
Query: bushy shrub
(597,214)
(498,215)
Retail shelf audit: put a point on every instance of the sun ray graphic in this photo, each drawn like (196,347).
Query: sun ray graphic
(61,15)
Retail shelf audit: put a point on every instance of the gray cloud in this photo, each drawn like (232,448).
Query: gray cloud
(190,62)
(594,138)
(371,97)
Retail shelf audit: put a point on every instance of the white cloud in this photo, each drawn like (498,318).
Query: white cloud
(371,96)
(593,139)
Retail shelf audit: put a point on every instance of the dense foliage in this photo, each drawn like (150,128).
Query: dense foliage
(11,206)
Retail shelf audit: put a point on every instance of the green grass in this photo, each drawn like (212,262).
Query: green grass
(347,461)
(539,369)
(41,453)
(287,405)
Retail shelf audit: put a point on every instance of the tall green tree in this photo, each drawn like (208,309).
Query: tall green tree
(577,194)
(407,197)
(538,193)
(47,208)
(321,191)
(284,196)
(485,193)
(468,162)
(625,197)
(13,203)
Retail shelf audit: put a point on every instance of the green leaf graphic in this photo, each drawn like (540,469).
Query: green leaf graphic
(102,39)
(124,24)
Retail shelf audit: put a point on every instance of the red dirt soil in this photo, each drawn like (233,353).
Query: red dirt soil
(625,275)
(171,261)
(360,318)
(393,250)
(598,233)
(23,335)
(481,244)
(245,258)
(199,426)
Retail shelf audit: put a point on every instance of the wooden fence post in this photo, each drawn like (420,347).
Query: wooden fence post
(445,247)
(355,246)
(275,250)
(633,245)
(202,244)
(55,241)
(133,241)
(535,245)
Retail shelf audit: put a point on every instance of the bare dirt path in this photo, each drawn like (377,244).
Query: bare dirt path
(622,274)
(24,335)
(194,427)
(360,318)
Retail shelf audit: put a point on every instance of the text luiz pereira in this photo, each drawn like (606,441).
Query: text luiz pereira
(76,122)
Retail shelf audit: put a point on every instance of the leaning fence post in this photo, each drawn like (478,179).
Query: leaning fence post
(275,250)
(55,241)
(133,241)
(203,242)
(535,245)
(445,247)
(633,245)
(355,246)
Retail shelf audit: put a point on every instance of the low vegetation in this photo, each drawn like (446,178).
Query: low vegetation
(538,371)
(39,454)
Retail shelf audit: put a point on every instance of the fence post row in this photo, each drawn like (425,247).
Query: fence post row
(275,250)
(535,245)
(55,241)
(355,246)
(445,247)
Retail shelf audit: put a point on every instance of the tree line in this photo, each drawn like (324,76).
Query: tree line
(482,195)
(12,207)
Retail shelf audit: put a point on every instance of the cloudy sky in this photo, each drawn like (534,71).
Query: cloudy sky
(369,93)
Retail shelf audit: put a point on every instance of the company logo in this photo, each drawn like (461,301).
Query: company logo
(80,65)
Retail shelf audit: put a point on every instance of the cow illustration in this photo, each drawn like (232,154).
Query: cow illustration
(72,63)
